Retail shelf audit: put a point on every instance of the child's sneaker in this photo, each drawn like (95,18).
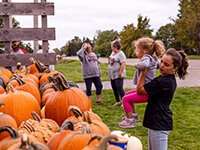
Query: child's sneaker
(127,123)
(135,117)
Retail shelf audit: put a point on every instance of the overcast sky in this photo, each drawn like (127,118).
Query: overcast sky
(83,18)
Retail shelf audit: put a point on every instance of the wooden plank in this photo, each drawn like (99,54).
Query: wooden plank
(26,34)
(12,59)
(7,8)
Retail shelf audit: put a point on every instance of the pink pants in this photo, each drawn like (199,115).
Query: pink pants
(132,97)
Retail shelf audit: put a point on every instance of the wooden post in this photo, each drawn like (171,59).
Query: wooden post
(45,44)
(35,25)
(7,23)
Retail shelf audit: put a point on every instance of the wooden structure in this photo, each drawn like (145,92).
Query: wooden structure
(8,34)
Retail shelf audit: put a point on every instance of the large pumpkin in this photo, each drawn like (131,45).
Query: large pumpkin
(19,104)
(6,120)
(62,98)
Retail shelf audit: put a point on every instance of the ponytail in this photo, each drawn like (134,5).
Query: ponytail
(180,60)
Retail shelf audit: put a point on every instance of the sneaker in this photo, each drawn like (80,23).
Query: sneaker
(135,117)
(117,103)
(127,123)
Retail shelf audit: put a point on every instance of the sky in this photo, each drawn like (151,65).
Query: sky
(83,18)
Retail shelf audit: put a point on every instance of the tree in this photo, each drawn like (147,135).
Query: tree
(130,33)
(167,34)
(188,25)
(73,46)
(103,42)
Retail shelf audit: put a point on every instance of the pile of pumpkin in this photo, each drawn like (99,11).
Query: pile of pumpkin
(39,109)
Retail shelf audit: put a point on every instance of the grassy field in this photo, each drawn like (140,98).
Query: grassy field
(185,107)
(71,69)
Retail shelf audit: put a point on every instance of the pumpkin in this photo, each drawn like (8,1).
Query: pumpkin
(54,142)
(28,87)
(96,125)
(134,143)
(18,104)
(77,140)
(62,98)
(103,144)
(6,120)
(12,139)
(6,72)
(26,144)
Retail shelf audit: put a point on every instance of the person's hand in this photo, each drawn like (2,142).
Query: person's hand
(120,75)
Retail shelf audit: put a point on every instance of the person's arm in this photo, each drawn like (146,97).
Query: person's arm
(123,64)
(140,84)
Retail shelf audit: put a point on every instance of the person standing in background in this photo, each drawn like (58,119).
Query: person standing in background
(91,71)
(116,70)
(16,49)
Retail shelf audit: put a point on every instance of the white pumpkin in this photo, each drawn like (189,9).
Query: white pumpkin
(120,134)
(134,143)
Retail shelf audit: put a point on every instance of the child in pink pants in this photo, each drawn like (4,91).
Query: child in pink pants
(148,51)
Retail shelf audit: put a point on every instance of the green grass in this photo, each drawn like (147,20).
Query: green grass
(194,57)
(71,69)
(185,108)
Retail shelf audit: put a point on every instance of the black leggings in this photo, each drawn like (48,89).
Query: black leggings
(97,83)
(117,87)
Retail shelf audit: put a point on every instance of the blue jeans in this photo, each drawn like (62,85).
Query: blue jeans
(157,140)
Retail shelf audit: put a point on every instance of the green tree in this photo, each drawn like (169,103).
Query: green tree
(167,34)
(188,25)
(73,46)
(130,33)
(103,41)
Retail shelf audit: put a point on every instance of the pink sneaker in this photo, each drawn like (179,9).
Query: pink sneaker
(127,123)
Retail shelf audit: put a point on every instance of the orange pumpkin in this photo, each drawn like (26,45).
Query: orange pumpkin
(6,120)
(6,72)
(62,98)
(77,140)
(19,104)
(14,138)
(55,140)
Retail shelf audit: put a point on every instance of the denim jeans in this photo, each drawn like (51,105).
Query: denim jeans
(157,140)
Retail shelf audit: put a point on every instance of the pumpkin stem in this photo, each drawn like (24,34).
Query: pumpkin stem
(36,116)
(9,88)
(86,128)
(68,125)
(59,80)
(24,142)
(76,111)
(13,133)
(2,104)
(98,137)
(2,83)
(103,145)
(39,65)
(86,117)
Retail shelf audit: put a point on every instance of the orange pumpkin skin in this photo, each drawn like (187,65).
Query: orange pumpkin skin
(76,141)
(56,107)
(55,140)
(6,72)
(19,105)
(6,120)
